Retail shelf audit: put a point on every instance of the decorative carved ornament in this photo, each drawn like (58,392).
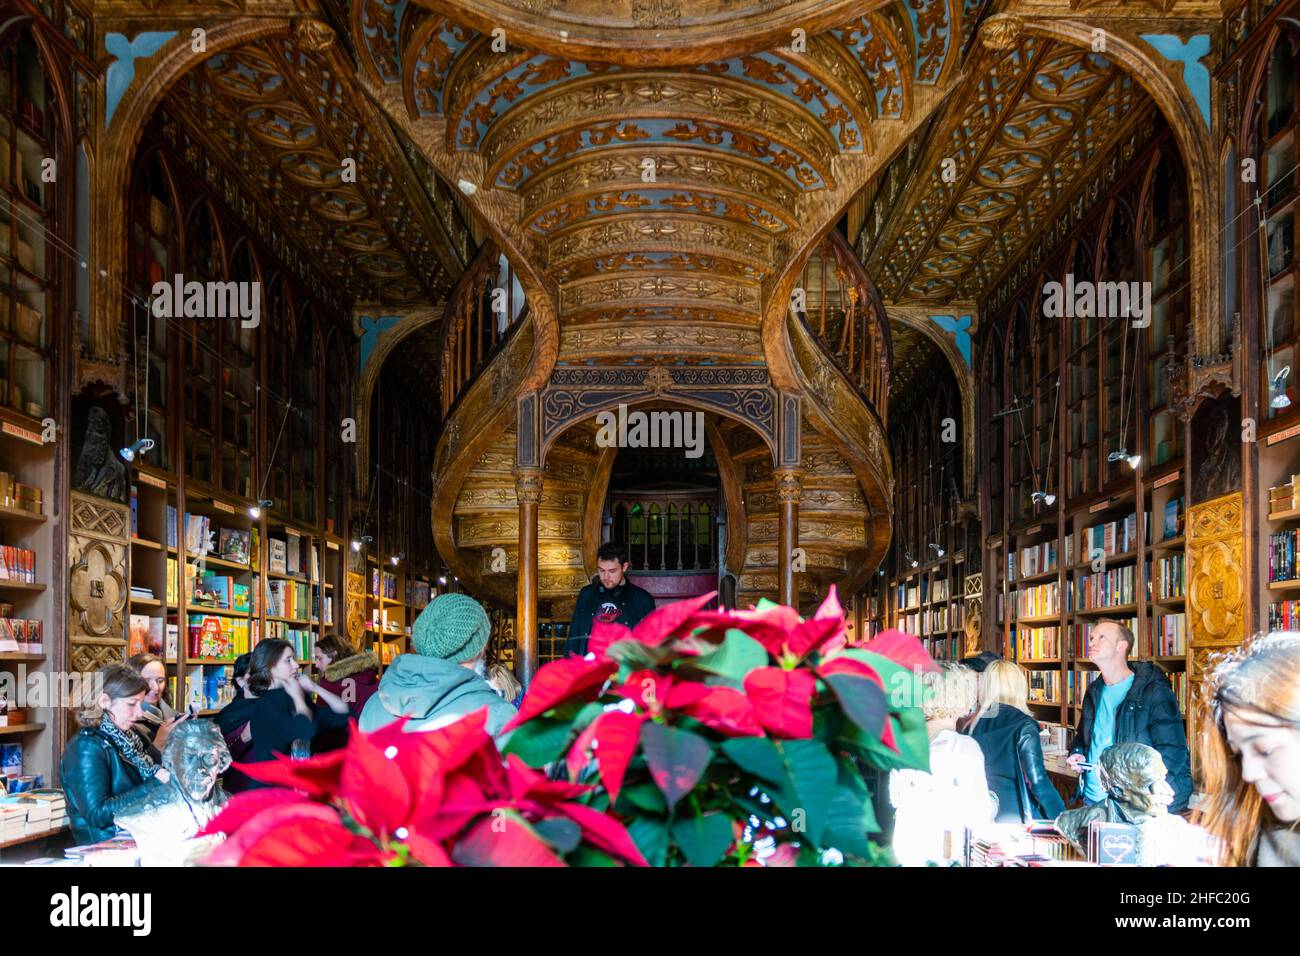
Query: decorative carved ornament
(356,606)
(1197,378)
(97,578)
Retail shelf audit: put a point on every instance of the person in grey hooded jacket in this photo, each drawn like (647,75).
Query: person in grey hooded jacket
(443,680)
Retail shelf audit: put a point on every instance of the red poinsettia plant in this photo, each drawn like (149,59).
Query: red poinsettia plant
(726,737)
(438,798)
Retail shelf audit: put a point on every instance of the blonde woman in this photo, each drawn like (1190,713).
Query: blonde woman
(953,795)
(1013,756)
(1249,752)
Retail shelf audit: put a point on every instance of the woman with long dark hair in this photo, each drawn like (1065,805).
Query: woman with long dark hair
(234,723)
(284,716)
(1249,753)
(107,762)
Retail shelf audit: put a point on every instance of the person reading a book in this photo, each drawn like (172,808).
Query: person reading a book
(284,721)
(1250,753)
(1132,702)
(156,714)
(1013,754)
(107,763)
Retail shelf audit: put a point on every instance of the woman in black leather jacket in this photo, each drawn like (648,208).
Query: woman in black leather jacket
(1013,755)
(107,762)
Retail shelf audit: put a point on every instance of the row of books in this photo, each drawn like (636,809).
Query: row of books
(152,635)
(1036,559)
(910,596)
(1285,497)
(209,687)
(290,599)
(1038,644)
(946,648)
(1282,549)
(17,564)
(237,545)
(31,813)
(1174,516)
(1284,616)
(299,637)
(1110,538)
(1045,686)
(16,494)
(288,555)
(1166,636)
(220,591)
(21,636)
(218,637)
(1038,601)
(1111,588)
(1168,577)
(386,651)
(389,585)
(939,590)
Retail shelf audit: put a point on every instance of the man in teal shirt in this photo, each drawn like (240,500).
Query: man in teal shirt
(1131,702)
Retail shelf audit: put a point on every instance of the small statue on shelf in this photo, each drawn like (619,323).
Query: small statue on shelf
(166,816)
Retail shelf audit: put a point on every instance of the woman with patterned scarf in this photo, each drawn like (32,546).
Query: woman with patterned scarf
(107,762)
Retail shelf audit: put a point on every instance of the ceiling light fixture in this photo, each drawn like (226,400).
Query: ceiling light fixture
(1277,386)
(358,542)
(255,511)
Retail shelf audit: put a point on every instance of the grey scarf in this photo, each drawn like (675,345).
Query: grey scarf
(129,746)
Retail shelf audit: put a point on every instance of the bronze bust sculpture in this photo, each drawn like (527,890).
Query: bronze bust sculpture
(166,816)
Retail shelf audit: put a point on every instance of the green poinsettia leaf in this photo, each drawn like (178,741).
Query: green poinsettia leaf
(703,839)
(862,700)
(539,741)
(812,774)
(736,656)
(560,832)
(756,755)
(650,834)
(634,655)
(642,796)
(676,758)
(851,816)
(590,856)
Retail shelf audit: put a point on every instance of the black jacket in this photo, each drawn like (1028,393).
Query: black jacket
(1013,765)
(276,724)
(98,782)
(626,604)
(1147,715)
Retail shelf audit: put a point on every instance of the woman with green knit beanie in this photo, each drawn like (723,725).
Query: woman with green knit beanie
(444,679)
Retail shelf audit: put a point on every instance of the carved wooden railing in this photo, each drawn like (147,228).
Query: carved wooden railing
(485,305)
(843,312)
(668,531)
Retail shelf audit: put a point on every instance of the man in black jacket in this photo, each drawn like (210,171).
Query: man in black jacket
(1131,702)
(609,597)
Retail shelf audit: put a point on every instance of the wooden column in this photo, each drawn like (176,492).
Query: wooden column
(528,493)
(789,486)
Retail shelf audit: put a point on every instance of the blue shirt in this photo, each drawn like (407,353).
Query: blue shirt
(1103,735)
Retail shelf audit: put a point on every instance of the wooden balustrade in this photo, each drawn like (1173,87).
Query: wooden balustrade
(668,531)
(473,329)
(844,313)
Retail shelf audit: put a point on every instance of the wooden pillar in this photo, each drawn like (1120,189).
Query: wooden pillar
(528,493)
(789,486)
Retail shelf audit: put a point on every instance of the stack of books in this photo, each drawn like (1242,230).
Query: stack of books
(1285,497)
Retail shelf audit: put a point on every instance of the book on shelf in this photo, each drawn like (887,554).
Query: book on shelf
(277,558)
(1107,539)
(171,647)
(1282,548)
(1113,588)
(1041,600)
(1038,643)
(299,637)
(199,537)
(214,636)
(1173,526)
(135,512)
(292,552)
(1165,578)
(1284,497)
(254,549)
(171,526)
(140,591)
(17,564)
(234,543)
(173,588)
(137,641)
(209,686)
(1031,560)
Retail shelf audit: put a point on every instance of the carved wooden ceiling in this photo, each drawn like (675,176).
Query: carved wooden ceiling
(662,193)
(286,118)
(1014,144)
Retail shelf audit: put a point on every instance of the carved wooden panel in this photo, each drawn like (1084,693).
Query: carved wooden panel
(356,606)
(97,581)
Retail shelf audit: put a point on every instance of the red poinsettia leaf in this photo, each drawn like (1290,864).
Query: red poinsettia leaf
(426,851)
(773,615)
(603,634)
(783,700)
(727,711)
(315,776)
(579,754)
(810,635)
(446,820)
(504,840)
(314,843)
(786,854)
(851,667)
(245,806)
(426,754)
(616,735)
(527,783)
(830,607)
(685,693)
(646,688)
(604,832)
(559,681)
(902,649)
(327,842)
(667,622)
(373,786)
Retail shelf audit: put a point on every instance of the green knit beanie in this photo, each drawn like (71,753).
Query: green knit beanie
(454,627)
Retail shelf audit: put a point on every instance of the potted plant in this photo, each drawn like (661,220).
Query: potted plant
(732,737)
